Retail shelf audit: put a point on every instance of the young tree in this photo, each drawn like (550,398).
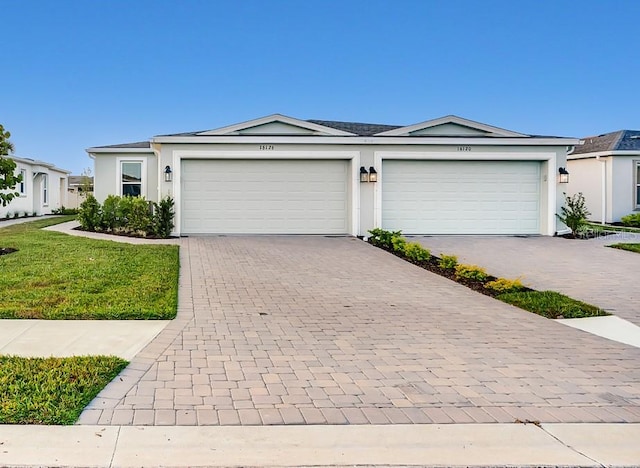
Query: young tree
(8,177)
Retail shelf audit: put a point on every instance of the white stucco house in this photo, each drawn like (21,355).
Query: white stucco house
(606,169)
(282,175)
(43,188)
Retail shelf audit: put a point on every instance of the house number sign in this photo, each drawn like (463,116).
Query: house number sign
(267,147)
(464,148)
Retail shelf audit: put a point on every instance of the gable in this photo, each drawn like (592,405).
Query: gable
(276,128)
(451,125)
(449,129)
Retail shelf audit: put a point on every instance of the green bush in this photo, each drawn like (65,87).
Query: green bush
(632,220)
(472,272)
(414,251)
(65,211)
(448,262)
(89,214)
(504,285)
(141,216)
(110,220)
(163,217)
(383,238)
(398,244)
(574,212)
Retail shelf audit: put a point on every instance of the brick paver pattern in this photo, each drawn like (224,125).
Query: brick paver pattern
(322,330)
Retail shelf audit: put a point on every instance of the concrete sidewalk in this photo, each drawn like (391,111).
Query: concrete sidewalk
(62,338)
(589,445)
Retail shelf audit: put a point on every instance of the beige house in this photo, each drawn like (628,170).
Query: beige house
(606,169)
(282,175)
(43,188)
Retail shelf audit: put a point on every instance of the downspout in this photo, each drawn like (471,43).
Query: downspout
(603,184)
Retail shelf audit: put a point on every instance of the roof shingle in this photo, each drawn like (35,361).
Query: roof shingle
(622,140)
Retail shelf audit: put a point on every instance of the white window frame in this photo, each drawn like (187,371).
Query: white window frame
(45,189)
(636,185)
(22,186)
(143,172)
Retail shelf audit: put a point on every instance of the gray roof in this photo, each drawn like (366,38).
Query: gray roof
(137,144)
(360,129)
(622,140)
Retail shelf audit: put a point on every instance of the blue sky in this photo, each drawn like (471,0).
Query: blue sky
(82,73)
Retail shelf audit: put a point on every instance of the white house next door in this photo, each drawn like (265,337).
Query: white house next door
(461,197)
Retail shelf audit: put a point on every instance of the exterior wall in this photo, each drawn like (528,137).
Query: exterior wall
(366,196)
(623,188)
(585,175)
(107,174)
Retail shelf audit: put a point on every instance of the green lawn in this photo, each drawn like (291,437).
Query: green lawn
(551,304)
(52,390)
(57,276)
(629,247)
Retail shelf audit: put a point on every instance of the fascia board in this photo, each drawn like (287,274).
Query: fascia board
(266,139)
(275,118)
(604,154)
(118,150)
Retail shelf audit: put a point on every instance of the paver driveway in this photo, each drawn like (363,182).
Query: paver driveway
(582,269)
(316,330)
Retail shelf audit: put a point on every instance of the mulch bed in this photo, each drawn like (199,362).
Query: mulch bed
(7,250)
(126,234)
(433,265)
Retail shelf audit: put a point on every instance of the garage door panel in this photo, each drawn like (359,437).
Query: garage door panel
(461,197)
(264,197)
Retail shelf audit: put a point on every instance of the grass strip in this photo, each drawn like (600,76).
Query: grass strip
(52,390)
(57,276)
(551,304)
(630,247)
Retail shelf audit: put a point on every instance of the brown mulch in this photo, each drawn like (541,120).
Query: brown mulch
(433,265)
(7,250)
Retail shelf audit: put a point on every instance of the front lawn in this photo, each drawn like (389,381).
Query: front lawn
(57,276)
(52,390)
(630,247)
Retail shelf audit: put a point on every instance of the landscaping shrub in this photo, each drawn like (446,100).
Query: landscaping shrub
(473,272)
(399,244)
(632,220)
(448,262)
(382,238)
(129,215)
(504,285)
(65,211)
(415,251)
(89,214)
(163,219)
(574,212)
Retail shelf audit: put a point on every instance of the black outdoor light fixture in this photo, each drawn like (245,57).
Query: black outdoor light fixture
(373,175)
(168,174)
(563,175)
(364,175)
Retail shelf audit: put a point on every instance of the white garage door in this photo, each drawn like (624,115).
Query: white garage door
(461,197)
(264,197)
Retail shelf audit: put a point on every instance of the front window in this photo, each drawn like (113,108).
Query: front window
(45,189)
(22,186)
(131,178)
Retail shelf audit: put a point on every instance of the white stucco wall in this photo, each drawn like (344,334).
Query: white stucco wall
(551,157)
(623,188)
(107,174)
(585,176)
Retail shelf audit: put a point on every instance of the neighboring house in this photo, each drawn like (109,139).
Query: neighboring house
(78,188)
(606,169)
(43,188)
(281,175)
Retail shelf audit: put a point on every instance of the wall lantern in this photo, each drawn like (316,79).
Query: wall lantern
(563,175)
(364,175)
(168,174)
(373,175)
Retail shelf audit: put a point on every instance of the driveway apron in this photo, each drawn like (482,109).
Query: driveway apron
(330,330)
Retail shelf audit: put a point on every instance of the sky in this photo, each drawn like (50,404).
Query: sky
(83,73)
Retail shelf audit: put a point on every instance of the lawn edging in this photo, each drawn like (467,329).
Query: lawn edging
(550,304)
